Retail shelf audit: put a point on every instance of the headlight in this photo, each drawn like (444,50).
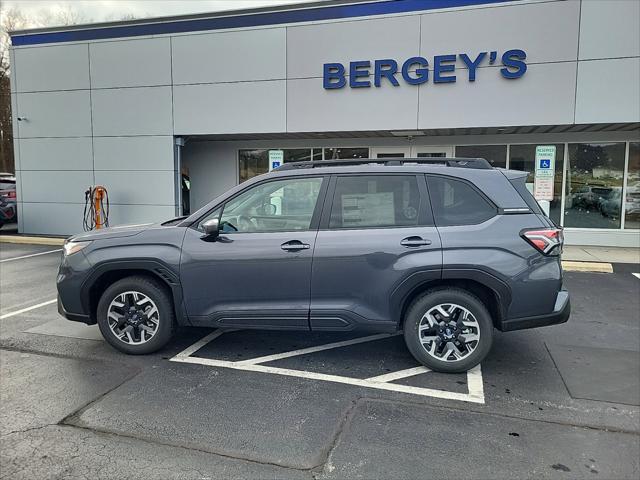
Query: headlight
(72,247)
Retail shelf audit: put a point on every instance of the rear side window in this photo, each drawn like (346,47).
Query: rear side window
(455,202)
(521,188)
(375,201)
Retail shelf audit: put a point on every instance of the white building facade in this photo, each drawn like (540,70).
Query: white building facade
(139,106)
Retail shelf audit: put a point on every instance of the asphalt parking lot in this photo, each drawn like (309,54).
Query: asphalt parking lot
(558,402)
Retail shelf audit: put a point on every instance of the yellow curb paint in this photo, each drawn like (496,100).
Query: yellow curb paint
(587,267)
(31,240)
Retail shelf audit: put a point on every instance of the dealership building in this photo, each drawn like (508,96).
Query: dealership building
(168,113)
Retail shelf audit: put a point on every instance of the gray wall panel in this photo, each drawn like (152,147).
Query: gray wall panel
(546,32)
(608,91)
(138,188)
(244,107)
(213,169)
(312,108)
(310,46)
(230,57)
(132,111)
(52,218)
(55,114)
(610,29)
(543,96)
(127,214)
(63,67)
(56,153)
(55,186)
(133,153)
(131,63)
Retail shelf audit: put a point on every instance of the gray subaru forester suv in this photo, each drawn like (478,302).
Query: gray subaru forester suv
(444,249)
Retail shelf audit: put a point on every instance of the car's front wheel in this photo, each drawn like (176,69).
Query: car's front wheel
(136,316)
(448,330)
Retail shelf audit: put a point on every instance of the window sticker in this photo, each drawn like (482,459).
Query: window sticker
(370,209)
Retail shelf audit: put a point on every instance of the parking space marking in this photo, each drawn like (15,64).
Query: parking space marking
(317,348)
(27,309)
(474,376)
(31,255)
(390,377)
(637,275)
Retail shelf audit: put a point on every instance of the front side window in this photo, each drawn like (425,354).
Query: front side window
(278,206)
(375,201)
(456,202)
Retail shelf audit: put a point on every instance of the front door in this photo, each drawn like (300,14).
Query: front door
(257,273)
(376,240)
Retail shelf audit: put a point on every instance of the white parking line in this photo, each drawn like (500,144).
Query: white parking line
(33,307)
(637,275)
(318,348)
(390,377)
(31,255)
(474,376)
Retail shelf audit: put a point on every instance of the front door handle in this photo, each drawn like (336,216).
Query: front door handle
(414,241)
(294,246)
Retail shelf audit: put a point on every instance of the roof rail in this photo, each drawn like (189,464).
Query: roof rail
(477,163)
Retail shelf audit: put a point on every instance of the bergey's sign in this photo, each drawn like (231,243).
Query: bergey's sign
(415,70)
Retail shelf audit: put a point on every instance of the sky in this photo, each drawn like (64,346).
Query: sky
(109,10)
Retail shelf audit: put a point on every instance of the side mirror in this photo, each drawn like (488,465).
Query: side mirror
(211,228)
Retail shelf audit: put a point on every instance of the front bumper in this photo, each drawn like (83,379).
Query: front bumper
(560,314)
(76,317)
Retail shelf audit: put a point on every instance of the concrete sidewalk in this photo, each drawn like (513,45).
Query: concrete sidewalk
(601,254)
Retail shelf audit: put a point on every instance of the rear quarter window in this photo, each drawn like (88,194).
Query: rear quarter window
(456,202)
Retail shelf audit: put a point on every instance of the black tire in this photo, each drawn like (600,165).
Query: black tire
(166,315)
(446,295)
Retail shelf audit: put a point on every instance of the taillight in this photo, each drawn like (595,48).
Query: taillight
(547,240)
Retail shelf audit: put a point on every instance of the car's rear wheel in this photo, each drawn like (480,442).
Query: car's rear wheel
(136,316)
(448,330)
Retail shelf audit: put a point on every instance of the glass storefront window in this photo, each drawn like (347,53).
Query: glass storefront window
(523,157)
(496,155)
(345,153)
(594,185)
(256,162)
(252,163)
(632,201)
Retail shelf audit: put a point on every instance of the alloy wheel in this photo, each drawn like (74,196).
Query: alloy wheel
(133,317)
(449,332)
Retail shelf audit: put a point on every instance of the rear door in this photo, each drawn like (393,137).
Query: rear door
(376,237)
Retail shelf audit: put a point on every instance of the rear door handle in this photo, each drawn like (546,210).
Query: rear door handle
(294,245)
(414,241)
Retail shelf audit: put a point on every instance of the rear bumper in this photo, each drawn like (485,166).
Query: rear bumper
(75,317)
(560,314)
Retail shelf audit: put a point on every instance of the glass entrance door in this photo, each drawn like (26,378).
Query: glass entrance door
(432,151)
(412,152)
(391,152)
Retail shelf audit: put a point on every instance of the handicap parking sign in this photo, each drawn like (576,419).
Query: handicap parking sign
(275,165)
(545,163)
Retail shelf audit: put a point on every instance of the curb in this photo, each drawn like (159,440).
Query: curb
(599,267)
(32,240)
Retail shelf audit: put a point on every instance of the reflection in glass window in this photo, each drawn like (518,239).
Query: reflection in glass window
(523,157)
(632,201)
(297,154)
(594,185)
(375,201)
(256,162)
(496,155)
(455,202)
(252,163)
(278,206)
(345,153)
